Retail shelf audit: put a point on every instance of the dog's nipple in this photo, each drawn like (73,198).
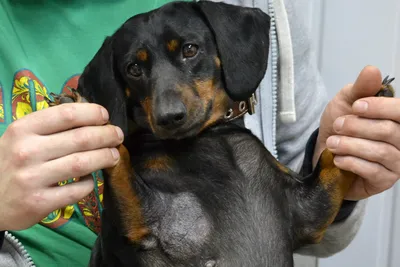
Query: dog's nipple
(210,264)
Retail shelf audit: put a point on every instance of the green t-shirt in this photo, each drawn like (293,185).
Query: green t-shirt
(44,46)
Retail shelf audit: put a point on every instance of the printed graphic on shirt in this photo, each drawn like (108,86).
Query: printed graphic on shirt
(2,113)
(72,82)
(26,83)
(89,206)
(61,216)
(26,86)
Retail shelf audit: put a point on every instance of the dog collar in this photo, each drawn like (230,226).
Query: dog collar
(240,108)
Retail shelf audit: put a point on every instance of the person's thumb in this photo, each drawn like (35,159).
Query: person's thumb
(368,84)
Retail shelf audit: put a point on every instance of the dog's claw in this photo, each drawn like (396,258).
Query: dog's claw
(387,81)
(387,89)
(63,98)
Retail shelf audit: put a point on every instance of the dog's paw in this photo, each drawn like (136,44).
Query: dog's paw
(63,98)
(387,89)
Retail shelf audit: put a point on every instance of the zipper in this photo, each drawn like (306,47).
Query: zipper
(19,248)
(274,74)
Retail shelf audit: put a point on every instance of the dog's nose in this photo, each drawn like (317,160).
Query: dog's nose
(171,116)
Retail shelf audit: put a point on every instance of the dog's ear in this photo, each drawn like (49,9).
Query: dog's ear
(242,37)
(100,83)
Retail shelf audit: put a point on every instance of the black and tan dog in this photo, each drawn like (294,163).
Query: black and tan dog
(193,186)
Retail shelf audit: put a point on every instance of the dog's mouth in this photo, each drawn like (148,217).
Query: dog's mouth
(180,133)
(198,115)
(188,130)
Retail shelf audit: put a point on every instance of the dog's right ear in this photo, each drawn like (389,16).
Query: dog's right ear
(100,83)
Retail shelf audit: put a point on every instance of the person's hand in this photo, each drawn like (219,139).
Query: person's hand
(49,146)
(363,131)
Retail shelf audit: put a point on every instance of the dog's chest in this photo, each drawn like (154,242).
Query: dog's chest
(201,208)
(181,229)
(187,185)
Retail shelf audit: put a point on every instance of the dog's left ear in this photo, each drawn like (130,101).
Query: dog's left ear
(242,37)
(101,83)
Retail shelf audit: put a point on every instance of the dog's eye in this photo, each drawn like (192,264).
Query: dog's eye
(134,70)
(189,50)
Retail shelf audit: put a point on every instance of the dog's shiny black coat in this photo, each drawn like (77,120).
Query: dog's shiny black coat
(210,196)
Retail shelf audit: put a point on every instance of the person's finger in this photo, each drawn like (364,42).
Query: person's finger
(373,151)
(370,129)
(378,108)
(62,117)
(61,196)
(373,177)
(80,139)
(77,165)
(368,83)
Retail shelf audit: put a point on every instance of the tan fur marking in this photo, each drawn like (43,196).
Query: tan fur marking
(189,100)
(217,62)
(121,179)
(206,90)
(142,55)
(282,167)
(219,109)
(161,163)
(146,104)
(127,91)
(337,183)
(172,45)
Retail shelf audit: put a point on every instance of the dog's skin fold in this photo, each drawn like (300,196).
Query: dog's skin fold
(191,189)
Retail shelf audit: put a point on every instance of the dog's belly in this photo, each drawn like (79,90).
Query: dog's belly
(185,227)
(187,235)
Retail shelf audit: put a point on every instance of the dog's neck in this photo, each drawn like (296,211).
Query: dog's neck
(146,135)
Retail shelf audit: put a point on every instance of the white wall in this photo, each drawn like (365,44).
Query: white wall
(349,34)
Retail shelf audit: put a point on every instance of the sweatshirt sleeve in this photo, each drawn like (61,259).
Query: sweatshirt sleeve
(310,101)
(1,239)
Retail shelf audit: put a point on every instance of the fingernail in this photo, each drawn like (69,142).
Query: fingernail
(104,113)
(338,124)
(333,142)
(115,153)
(360,106)
(337,160)
(119,133)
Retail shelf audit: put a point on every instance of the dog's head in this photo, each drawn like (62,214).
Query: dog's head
(176,70)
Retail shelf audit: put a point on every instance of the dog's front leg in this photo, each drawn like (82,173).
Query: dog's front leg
(318,200)
(119,182)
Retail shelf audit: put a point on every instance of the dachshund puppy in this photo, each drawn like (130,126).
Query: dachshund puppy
(193,187)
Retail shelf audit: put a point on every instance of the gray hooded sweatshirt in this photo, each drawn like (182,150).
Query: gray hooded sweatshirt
(291,99)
